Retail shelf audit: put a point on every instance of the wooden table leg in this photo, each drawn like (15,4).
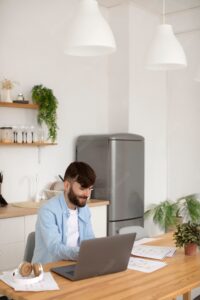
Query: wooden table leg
(187,296)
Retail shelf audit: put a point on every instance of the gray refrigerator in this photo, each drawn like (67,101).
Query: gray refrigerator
(118,160)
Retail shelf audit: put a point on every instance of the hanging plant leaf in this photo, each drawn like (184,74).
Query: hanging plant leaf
(48,104)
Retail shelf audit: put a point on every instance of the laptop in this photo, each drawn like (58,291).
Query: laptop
(100,256)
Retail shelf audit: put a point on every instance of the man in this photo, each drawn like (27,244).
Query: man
(64,221)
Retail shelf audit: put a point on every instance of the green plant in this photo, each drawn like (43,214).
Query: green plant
(164,214)
(168,213)
(189,208)
(48,104)
(187,233)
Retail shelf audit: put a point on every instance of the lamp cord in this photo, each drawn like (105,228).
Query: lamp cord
(163,12)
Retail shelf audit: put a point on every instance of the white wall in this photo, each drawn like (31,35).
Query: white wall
(147,108)
(118,117)
(147,104)
(137,96)
(32,42)
(184,110)
(163,107)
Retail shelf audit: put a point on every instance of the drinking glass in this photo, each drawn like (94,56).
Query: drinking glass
(32,132)
(22,128)
(15,133)
(40,133)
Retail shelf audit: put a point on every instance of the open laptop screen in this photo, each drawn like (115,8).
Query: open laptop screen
(100,256)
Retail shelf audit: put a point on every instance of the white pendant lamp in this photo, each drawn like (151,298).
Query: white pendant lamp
(89,34)
(165,52)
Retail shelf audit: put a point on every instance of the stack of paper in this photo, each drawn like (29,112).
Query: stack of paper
(46,284)
(145,240)
(156,252)
(144,265)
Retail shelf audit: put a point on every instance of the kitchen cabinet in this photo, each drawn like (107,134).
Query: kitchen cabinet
(29,225)
(99,220)
(11,243)
(17,222)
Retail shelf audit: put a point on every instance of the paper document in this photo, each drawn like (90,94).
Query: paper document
(46,284)
(156,252)
(172,250)
(145,240)
(145,265)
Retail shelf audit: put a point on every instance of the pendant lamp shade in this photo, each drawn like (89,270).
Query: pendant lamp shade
(165,53)
(89,34)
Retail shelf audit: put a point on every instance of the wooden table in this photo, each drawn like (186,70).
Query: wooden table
(180,276)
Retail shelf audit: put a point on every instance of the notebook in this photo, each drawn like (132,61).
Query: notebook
(100,256)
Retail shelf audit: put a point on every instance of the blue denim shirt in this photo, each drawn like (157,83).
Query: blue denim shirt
(51,227)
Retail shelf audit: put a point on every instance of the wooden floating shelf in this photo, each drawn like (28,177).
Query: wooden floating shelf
(19,105)
(28,144)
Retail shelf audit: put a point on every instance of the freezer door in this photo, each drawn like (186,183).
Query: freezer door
(127,180)
(113,227)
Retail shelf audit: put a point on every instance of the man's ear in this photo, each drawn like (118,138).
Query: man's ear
(66,185)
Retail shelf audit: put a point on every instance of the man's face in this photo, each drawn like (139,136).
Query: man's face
(78,195)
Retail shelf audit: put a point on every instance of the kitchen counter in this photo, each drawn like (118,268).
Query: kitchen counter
(19,209)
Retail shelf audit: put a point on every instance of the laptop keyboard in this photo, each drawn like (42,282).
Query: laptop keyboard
(70,273)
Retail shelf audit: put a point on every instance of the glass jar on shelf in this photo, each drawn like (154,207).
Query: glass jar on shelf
(6,134)
(14,133)
(41,134)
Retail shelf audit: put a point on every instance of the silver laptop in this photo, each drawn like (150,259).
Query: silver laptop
(100,256)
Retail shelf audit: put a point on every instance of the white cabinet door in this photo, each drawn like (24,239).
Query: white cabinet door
(99,220)
(29,224)
(11,242)
(11,230)
(11,255)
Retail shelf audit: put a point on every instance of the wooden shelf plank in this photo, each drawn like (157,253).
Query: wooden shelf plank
(18,105)
(39,144)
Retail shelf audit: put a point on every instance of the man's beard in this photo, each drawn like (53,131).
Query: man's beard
(73,198)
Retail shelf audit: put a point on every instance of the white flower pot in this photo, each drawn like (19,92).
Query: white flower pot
(6,95)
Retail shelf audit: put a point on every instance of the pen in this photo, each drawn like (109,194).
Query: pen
(61,177)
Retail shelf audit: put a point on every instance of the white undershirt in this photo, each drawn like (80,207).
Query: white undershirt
(72,228)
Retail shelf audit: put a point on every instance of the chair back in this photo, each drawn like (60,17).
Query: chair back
(30,245)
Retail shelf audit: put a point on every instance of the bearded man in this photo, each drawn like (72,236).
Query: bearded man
(64,221)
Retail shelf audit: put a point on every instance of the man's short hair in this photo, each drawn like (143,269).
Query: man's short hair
(80,172)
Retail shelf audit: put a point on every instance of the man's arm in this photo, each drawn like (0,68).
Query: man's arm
(52,234)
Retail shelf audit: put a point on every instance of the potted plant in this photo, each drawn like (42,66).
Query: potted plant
(164,214)
(48,104)
(187,235)
(7,85)
(189,208)
(168,214)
